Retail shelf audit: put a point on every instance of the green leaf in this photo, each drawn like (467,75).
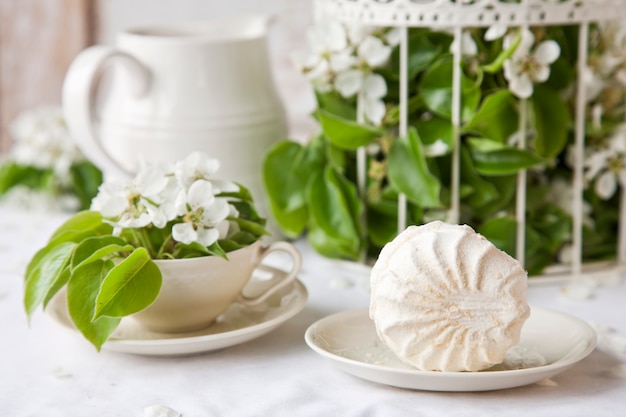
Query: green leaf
(287,169)
(497,118)
(85,178)
(13,174)
(421,53)
(335,216)
(382,218)
(409,173)
(483,191)
(552,121)
(436,88)
(434,129)
(82,290)
(492,158)
(129,287)
(98,247)
(41,277)
(80,226)
(501,231)
(346,134)
(334,103)
(249,226)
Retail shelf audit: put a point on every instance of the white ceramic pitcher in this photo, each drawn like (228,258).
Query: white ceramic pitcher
(169,90)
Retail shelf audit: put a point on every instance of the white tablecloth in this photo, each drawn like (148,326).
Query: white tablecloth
(48,371)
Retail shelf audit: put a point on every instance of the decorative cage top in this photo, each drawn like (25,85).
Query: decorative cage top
(470,13)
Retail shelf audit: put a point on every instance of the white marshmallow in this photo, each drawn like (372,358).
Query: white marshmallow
(444,298)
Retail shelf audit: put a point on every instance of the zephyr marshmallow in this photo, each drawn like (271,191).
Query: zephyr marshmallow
(444,298)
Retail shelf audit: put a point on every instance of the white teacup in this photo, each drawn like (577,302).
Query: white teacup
(196,291)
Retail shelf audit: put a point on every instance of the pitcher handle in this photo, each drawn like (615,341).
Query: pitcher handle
(79,97)
(288,277)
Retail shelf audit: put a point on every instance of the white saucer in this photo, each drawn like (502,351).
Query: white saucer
(550,343)
(237,325)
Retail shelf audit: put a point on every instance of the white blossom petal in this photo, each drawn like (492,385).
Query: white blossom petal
(215,213)
(160,411)
(328,37)
(200,194)
(374,51)
(393,36)
(341,61)
(374,110)
(374,86)
(606,185)
(522,86)
(357,33)
(184,232)
(207,237)
(547,52)
(595,163)
(348,83)
(438,148)
(495,32)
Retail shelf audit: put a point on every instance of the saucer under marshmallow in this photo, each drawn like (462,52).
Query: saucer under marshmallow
(444,298)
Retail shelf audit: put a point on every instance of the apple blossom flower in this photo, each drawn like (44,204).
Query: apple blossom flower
(328,54)
(344,57)
(607,166)
(525,68)
(42,140)
(198,166)
(372,88)
(201,212)
(146,199)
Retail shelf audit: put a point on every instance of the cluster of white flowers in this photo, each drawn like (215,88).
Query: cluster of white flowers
(42,140)
(185,193)
(343,58)
(606,69)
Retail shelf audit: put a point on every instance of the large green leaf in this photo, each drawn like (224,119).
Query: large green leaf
(497,118)
(436,88)
(346,134)
(80,226)
(82,290)
(335,216)
(98,247)
(434,129)
(41,277)
(552,121)
(129,287)
(287,169)
(13,174)
(409,173)
(492,158)
(482,191)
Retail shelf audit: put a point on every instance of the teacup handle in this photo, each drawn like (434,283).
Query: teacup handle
(78,99)
(288,277)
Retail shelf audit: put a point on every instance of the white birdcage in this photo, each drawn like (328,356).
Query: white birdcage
(457,16)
